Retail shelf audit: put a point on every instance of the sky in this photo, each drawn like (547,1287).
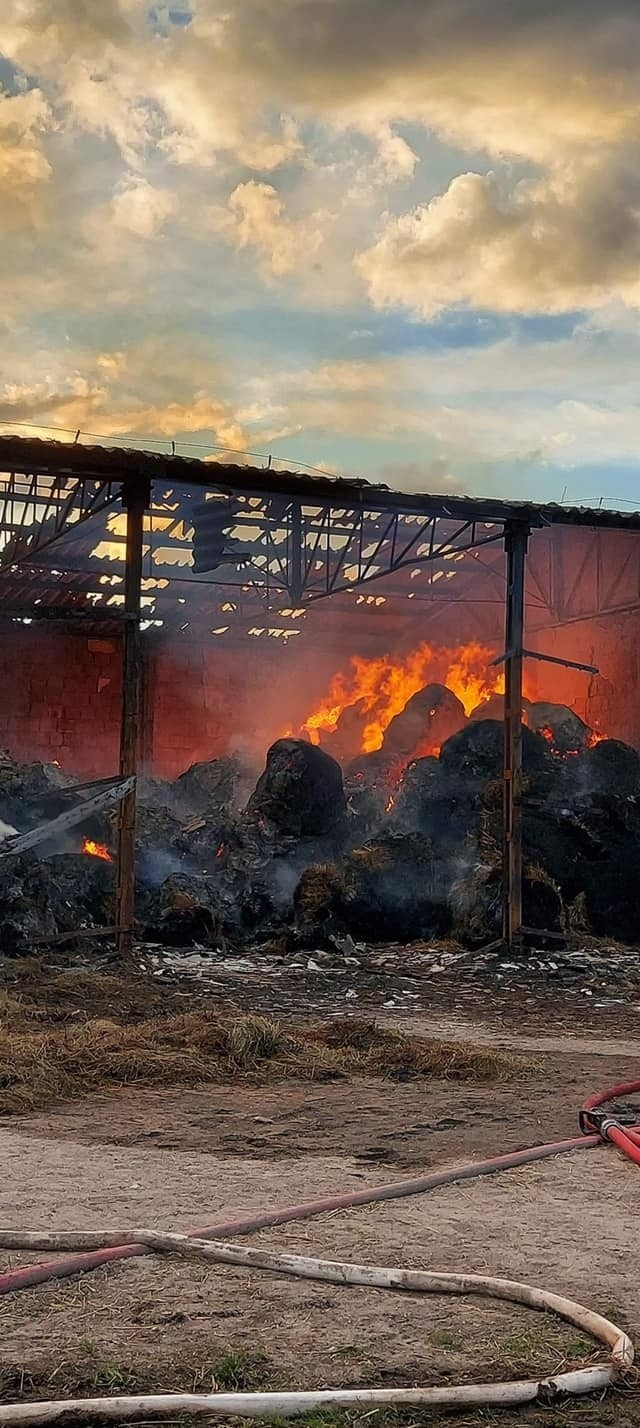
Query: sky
(397,239)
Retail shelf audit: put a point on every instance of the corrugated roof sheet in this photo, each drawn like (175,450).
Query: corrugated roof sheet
(29,454)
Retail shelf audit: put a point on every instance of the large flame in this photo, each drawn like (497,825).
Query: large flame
(381,687)
(97,850)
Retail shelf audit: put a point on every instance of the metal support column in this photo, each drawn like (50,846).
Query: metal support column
(136,500)
(516,538)
(296,587)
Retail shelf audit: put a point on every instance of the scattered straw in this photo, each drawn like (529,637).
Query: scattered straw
(43,1064)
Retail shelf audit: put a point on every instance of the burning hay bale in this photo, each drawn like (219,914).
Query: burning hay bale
(395,889)
(430,717)
(300,792)
(347,733)
(564,731)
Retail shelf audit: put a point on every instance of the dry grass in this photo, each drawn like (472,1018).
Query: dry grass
(41,1063)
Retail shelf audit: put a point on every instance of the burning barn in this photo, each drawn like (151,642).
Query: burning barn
(240,704)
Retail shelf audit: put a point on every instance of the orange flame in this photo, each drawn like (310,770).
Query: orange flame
(382,686)
(97,850)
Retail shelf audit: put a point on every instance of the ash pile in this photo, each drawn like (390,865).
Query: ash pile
(390,847)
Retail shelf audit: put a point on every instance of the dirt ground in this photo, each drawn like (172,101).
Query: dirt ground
(169,1159)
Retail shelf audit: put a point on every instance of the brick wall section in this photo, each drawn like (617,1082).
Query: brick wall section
(60,699)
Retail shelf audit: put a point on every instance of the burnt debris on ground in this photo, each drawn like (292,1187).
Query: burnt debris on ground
(307,854)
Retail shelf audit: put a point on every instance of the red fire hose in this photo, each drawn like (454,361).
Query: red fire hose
(596,1127)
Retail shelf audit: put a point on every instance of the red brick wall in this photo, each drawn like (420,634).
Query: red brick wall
(60,698)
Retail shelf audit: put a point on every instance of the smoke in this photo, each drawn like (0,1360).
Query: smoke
(157,864)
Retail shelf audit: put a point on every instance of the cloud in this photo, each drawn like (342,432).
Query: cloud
(156,389)
(555,244)
(255,218)
(140,209)
(24,168)
(517,76)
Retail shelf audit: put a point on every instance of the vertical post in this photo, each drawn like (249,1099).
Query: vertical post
(516,538)
(295,554)
(136,500)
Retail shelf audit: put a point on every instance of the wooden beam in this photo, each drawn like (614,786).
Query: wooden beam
(516,538)
(136,501)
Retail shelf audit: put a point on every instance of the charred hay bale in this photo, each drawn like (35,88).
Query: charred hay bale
(611,767)
(548,839)
(369,782)
(612,894)
(444,807)
(395,889)
(300,792)
(564,731)
(371,770)
(429,717)
(493,708)
(318,902)
(83,891)
(476,904)
(477,752)
(27,910)
(410,807)
(181,912)
(156,828)
(208,786)
(606,828)
(32,793)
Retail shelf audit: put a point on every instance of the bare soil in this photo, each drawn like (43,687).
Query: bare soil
(187,1157)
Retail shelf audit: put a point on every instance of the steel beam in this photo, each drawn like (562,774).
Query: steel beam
(516,538)
(136,501)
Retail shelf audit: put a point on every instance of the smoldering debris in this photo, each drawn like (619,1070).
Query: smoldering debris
(306,853)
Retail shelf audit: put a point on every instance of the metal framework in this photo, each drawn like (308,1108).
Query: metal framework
(36,509)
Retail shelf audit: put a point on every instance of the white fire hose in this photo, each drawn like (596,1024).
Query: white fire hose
(280,1405)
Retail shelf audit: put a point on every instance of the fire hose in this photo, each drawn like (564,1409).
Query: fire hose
(93,1248)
